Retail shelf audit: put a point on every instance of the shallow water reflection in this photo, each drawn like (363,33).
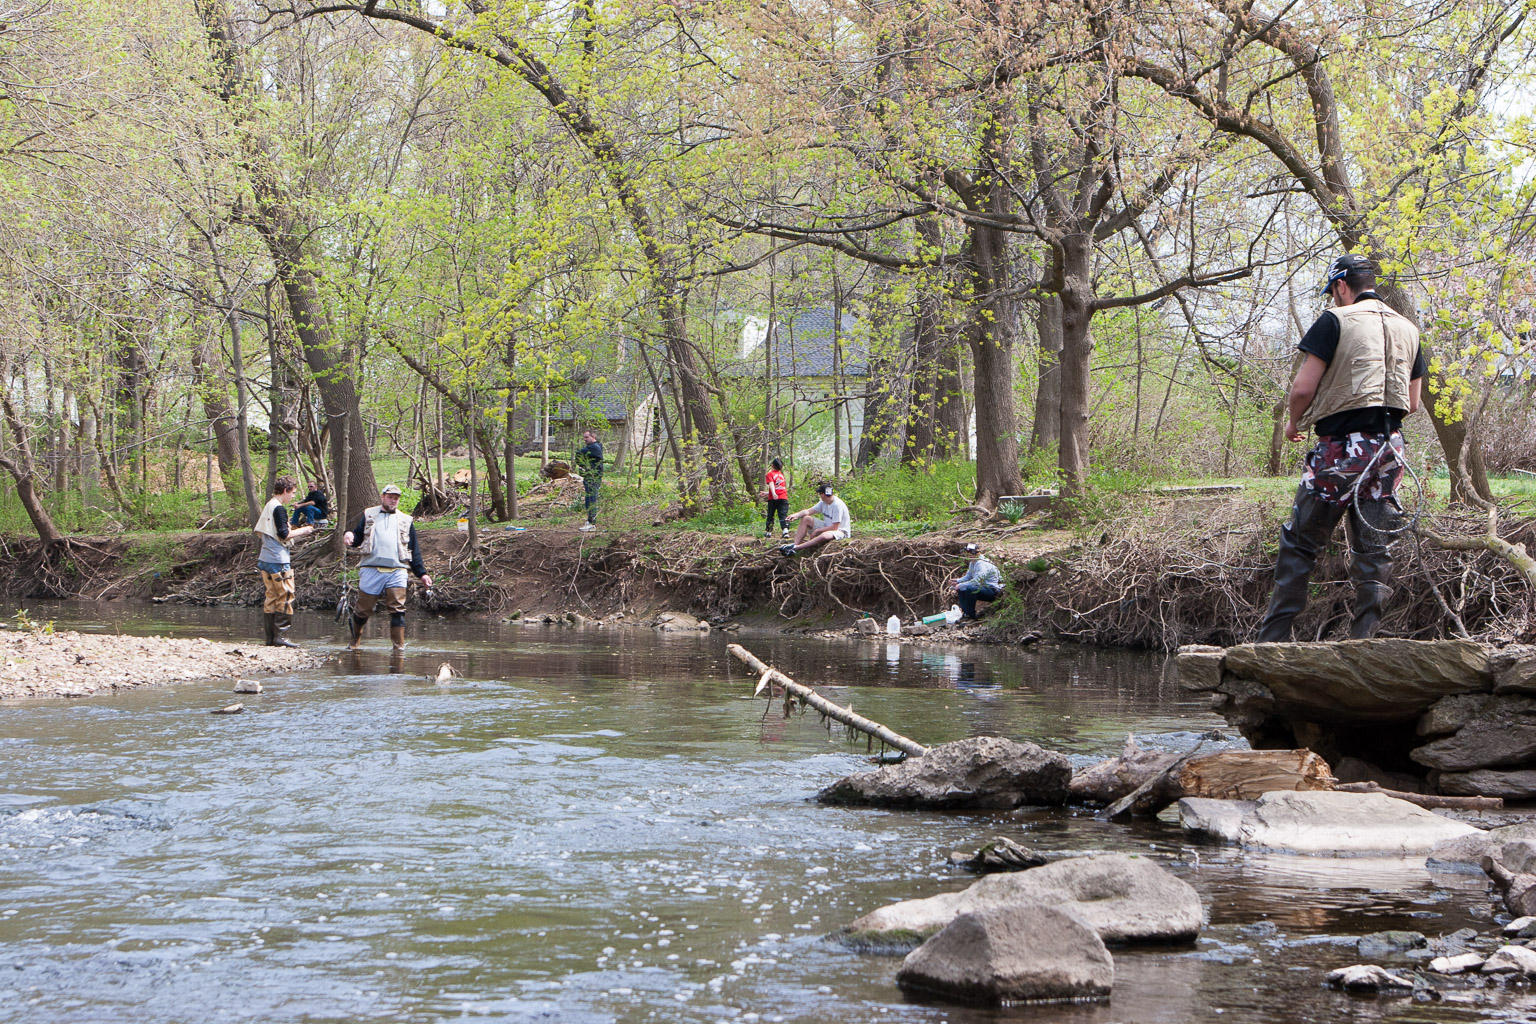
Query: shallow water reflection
(594,827)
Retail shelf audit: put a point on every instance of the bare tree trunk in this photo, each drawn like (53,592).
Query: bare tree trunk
(23,469)
(283,231)
(992,334)
(242,428)
(1047,427)
(471,429)
(1076,295)
(511,444)
(952,422)
(922,409)
(882,384)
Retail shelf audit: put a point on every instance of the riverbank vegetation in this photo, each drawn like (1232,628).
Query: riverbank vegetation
(946,256)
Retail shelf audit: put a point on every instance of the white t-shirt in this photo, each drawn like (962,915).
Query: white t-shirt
(834,512)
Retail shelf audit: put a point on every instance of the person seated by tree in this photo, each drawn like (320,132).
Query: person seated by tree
(827,520)
(316,506)
(981,582)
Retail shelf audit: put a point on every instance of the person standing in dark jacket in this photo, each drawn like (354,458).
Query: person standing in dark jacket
(589,463)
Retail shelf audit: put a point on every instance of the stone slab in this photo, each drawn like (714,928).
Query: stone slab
(1323,824)
(1363,680)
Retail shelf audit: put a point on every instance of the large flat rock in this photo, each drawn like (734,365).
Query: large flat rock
(1321,824)
(1124,899)
(1363,680)
(983,771)
(1012,954)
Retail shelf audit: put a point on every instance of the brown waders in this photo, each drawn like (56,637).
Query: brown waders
(394,603)
(277,607)
(1303,539)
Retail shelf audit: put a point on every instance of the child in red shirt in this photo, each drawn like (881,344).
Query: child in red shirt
(777,495)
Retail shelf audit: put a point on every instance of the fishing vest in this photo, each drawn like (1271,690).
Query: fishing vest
(1372,365)
(265,526)
(273,548)
(403,523)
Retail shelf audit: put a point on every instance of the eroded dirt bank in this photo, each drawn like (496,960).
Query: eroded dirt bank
(1184,571)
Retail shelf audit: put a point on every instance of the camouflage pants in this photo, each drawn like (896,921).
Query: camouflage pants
(1335,464)
(280,592)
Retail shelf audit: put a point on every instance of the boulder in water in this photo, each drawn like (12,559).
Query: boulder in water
(1001,854)
(1511,960)
(1124,899)
(1466,853)
(1367,978)
(983,771)
(1017,953)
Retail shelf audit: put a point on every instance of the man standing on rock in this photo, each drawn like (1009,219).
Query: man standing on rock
(273,561)
(1363,372)
(387,537)
(589,463)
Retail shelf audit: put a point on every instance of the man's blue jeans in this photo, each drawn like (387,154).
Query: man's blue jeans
(967,596)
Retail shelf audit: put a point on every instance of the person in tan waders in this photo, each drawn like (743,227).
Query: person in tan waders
(387,538)
(276,534)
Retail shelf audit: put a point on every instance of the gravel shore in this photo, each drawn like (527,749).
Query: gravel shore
(36,663)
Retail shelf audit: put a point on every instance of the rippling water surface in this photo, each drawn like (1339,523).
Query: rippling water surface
(593,827)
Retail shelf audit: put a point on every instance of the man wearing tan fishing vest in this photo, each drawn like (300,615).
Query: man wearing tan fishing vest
(1362,374)
(387,537)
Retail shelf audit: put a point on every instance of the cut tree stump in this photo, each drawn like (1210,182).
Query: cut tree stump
(1152,780)
(1249,774)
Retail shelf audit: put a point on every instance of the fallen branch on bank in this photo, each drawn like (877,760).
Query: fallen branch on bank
(1429,801)
(807,697)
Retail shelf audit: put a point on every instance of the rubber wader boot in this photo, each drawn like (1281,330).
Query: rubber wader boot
(281,622)
(1371,565)
(1301,540)
(397,635)
(357,632)
(269,628)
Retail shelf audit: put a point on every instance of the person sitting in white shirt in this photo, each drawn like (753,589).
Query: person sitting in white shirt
(827,520)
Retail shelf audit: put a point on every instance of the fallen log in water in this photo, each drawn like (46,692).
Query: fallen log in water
(768,675)
(1144,781)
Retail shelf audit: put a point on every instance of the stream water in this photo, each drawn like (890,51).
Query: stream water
(592,827)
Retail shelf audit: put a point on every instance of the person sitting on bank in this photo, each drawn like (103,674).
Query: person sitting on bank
(981,582)
(316,506)
(388,541)
(825,521)
(273,561)
(776,493)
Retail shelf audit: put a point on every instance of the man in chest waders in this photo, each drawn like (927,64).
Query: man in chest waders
(1362,374)
(276,534)
(387,538)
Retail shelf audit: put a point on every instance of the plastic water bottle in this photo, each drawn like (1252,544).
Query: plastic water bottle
(893,626)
